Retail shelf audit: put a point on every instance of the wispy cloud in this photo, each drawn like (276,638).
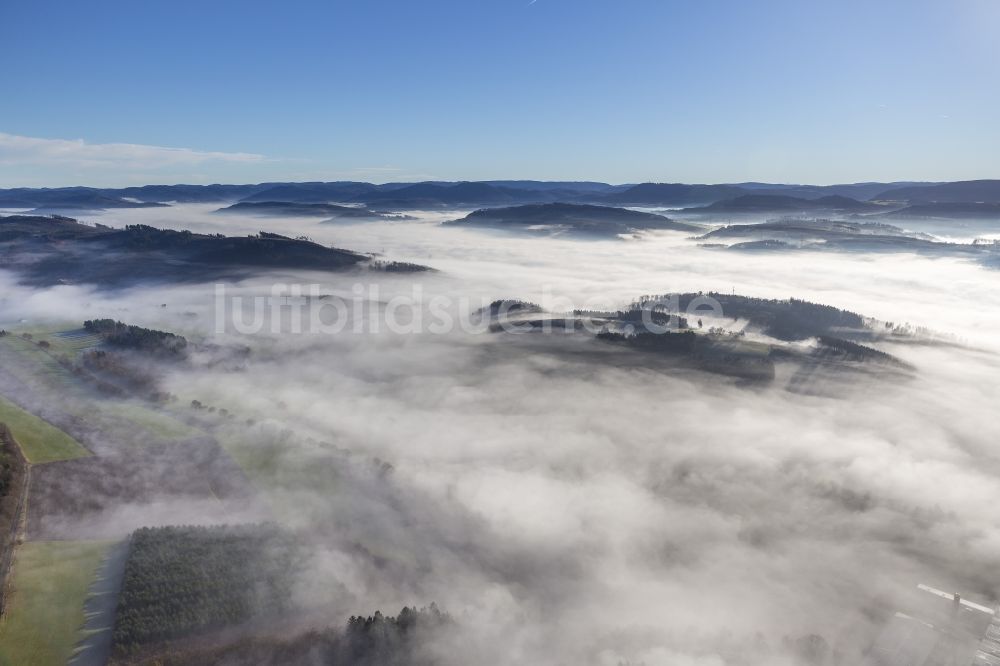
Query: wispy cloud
(77,153)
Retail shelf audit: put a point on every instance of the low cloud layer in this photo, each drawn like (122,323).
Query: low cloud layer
(567,508)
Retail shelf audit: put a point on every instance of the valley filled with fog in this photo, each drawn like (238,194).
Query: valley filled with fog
(563,501)
(950,296)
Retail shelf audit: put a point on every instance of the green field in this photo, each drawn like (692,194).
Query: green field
(44,366)
(40,441)
(155,422)
(62,339)
(40,369)
(44,618)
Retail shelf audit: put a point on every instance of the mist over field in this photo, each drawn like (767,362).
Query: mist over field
(564,504)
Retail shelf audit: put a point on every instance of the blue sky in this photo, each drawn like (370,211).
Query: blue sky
(118,93)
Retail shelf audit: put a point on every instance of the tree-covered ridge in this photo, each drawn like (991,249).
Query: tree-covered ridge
(790,319)
(127,336)
(852,351)
(678,343)
(46,251)
(505,307)
(184,581)
(574,218)
(391,641)
(691,331)
(785,319)
(263,249)
(643,319)
(717,352)
(397,266)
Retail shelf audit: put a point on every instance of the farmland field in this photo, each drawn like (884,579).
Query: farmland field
(40,441)
(45,612)
(156,422)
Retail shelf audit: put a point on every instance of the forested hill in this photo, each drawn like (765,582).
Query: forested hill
(766,203)
(56,250)
(292,209)
(573,218)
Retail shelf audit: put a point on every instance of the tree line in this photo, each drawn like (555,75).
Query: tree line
(184,581)
(126,336)
(375,640)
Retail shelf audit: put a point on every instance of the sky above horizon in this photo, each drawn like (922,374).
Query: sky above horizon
(124,93)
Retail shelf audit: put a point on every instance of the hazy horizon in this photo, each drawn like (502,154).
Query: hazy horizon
(487,180)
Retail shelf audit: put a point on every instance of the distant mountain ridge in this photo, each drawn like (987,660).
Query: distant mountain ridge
(859,191)
(980,211)
(69,198)
(967,191)
(310,192)
(450,194)
(768,203)
(659,194)
(467,194)
(801,230)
